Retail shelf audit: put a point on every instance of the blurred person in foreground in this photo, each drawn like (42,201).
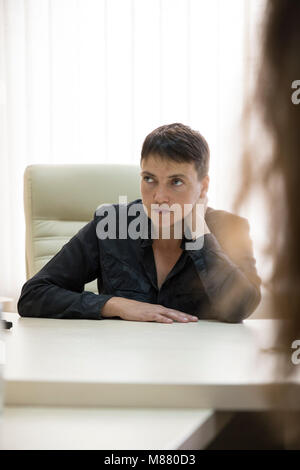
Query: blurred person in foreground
(276,104)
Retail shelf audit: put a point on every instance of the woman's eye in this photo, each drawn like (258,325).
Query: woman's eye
(147,178)
(179,181)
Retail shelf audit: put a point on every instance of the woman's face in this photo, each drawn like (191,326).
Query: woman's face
(164,183)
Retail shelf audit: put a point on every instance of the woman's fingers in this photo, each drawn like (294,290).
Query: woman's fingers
(180,316)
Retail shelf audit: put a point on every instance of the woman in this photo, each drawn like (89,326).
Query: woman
(275,103)
(208,271)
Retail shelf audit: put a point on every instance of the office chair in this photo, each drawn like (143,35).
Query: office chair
(60,199)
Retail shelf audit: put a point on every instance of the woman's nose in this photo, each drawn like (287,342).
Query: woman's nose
(161,196)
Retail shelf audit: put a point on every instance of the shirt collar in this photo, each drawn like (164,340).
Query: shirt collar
(146,230)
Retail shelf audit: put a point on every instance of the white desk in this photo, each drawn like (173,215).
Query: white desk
(109,428)
(90,427)
(108,363)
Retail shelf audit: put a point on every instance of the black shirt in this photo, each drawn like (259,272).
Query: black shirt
(218,281)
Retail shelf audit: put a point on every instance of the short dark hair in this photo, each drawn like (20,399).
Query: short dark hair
(180,143)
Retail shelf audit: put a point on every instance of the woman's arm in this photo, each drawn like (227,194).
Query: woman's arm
(227,269)
(57,290)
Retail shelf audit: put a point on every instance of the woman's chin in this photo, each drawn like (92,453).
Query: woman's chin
(160,224)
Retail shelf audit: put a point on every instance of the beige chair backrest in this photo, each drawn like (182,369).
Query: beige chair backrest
(60,199)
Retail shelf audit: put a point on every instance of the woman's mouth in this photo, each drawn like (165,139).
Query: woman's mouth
(161,211)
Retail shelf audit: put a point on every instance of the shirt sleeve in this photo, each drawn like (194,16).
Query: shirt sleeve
(227,270)
(57,290)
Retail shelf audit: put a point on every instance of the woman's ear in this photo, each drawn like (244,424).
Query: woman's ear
(204,186)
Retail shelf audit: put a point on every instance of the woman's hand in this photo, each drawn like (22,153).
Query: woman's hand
(195,220)
(135,310)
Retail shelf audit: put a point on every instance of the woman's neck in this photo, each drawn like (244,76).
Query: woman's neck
(167,245)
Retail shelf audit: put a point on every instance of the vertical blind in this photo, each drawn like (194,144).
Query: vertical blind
(84,81)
